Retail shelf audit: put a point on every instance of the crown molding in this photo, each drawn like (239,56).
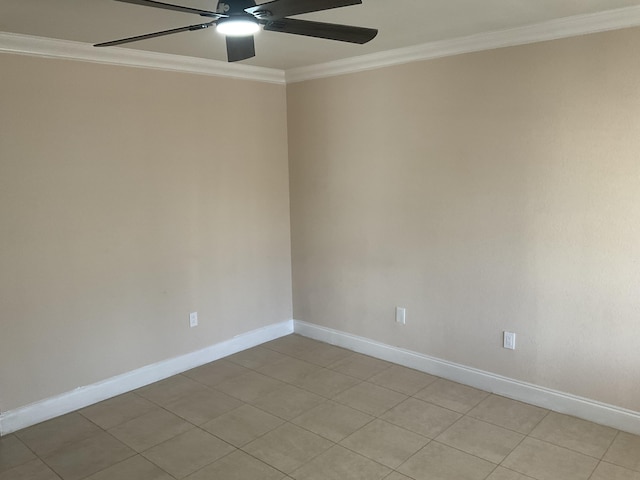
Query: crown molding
(53,48)
(550,30)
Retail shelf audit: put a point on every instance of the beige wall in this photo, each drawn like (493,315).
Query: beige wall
(485,192)
(491,191)
(128,198)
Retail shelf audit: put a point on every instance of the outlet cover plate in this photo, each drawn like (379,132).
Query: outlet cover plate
(509,340)
(193,319)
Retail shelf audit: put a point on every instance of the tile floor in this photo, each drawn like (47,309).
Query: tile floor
(298,409)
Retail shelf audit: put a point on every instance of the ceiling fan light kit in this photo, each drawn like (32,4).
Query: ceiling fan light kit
(238,26)
(239,20)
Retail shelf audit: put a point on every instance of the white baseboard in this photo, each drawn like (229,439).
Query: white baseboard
(587,409)
(37,412)
(601,413)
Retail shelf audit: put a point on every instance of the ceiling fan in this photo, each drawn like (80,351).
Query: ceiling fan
(238,20)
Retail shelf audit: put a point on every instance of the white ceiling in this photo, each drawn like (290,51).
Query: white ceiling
(402,23)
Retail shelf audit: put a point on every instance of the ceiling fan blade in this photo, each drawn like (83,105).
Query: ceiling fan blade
(177,8)
(331,31)
(156,34)
(287,8)
(240,48)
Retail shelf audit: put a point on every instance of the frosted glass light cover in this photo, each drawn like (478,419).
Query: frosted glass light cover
(240,27)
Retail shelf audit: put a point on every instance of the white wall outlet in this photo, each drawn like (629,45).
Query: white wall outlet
(509,340)
(401,315)
(193,319)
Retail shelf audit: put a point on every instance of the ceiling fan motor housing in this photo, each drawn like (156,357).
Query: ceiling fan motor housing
(234,7)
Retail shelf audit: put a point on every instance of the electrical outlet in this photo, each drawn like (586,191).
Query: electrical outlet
(193,319)
(509,340)
(401,315)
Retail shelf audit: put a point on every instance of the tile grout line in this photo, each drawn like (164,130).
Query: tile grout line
(429,440)
(36,456)
(605,454)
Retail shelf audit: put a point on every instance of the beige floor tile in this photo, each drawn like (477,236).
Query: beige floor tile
(327,382)
(397,476)
(545,461)
(360,366)
(150,429)
(288,402)
(502,473)
(289,370)
(510,414)
(51,435)
(216,372)
(237,466)
(250,386)
(88,456)
(292,344)
(575,434)
(439,462)
(481,439)
(370,398)
(421,417)
(451,395)
(402,379)
(188,452)
(203,406)
(382,415)
(332,420)
(13,453)
(242,425)
(117,410)
(625,451)
(133,468)
(287,447)
(171,389)
(324,355)
(256,357)
(385,443)
(33,470)
(608,471)
(339,463)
